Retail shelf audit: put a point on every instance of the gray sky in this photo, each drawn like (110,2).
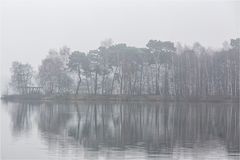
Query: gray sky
(29,28)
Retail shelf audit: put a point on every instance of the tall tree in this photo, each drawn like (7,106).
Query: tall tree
(161,52)
(22,75)
(53,76)
(78,62)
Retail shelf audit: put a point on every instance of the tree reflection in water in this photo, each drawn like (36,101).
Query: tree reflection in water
(156,128)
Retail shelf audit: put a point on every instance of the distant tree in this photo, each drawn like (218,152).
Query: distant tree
(161,52)
(198,48)
(105,66)
(95,66)
(235,43)
(234,57)
(116,61)
(78,62)
(53,76)
(226,45)
(64,54)
(22,75)
(107,43)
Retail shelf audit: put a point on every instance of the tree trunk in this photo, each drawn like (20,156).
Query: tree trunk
(79,82)
(103,80)
(157,92)
(141,76)
(113,80)
(121,84)
(78,86)
(95,86)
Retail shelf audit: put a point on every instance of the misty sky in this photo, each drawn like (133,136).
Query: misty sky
(29,28)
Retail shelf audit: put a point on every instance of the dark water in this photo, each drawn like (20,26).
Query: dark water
(120,131)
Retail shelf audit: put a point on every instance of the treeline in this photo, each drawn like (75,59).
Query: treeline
(162,68)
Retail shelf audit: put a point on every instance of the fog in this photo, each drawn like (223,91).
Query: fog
(30,28)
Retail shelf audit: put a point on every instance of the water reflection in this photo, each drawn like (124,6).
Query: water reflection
(158,130)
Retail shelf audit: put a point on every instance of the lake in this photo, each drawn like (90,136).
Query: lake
(120,131)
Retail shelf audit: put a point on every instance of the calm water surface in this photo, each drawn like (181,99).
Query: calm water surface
(120,131)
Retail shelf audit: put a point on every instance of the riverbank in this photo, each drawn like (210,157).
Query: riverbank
(145,98)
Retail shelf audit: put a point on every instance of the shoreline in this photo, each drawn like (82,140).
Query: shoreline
(117,98)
